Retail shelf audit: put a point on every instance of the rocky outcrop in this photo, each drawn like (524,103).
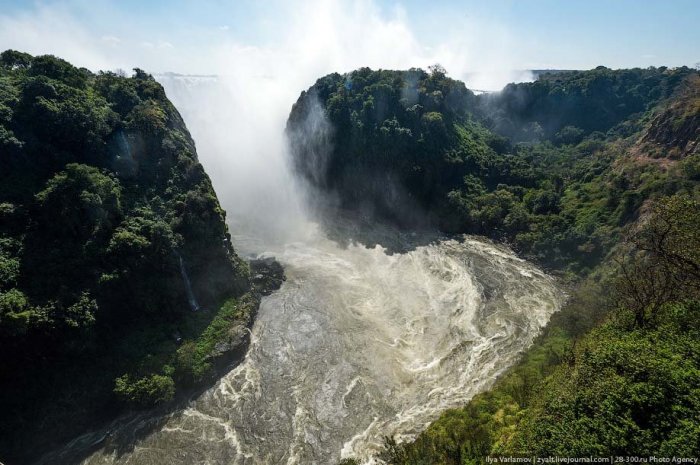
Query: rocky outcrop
(675,131)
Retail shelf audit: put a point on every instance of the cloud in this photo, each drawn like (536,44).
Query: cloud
(159,45)
(111,40)
(52,30)
(318,35)
(238,120)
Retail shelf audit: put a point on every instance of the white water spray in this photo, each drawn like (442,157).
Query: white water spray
(194,306)
(358,343)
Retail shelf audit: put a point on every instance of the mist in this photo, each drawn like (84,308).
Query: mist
(237,113)
(349,349)
(237,117)
(237,90)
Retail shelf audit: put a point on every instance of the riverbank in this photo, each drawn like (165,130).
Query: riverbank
(200,361)
(615,372)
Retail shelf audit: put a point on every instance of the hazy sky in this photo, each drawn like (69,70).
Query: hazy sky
(196,36)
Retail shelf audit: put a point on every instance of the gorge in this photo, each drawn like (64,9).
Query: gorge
(360,342)
(413,220)
(356,344)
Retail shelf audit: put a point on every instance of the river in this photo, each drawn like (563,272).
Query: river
(357,344)
(360,341)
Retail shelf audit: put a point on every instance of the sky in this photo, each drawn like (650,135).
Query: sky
(265,52)
(493,38)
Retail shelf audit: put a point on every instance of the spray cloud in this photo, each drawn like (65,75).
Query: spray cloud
(237,116)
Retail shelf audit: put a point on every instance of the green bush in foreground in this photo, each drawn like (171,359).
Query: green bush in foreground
(626,392)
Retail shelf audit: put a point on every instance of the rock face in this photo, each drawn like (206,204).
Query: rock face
(408,146)
(418,149)
(676,129)
(267,275)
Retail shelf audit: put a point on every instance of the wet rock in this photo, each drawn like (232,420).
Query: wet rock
(268,275)
(236,339)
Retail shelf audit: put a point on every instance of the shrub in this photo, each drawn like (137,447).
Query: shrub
(144,392)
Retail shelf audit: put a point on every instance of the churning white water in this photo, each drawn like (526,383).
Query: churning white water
(358,343)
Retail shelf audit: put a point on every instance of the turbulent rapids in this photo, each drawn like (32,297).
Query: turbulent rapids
(360,342)
(357,344)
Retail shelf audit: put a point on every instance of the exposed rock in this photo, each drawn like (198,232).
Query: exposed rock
(268,275)
(675,131)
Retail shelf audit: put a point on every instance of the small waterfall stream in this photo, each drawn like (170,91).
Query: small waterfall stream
(124,145)
(191,299)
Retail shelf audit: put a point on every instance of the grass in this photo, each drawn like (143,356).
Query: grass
(185,351)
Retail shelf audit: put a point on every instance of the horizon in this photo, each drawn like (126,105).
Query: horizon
(484,44)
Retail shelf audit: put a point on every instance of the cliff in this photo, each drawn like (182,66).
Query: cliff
(593,174)
(119,286)
(544,166)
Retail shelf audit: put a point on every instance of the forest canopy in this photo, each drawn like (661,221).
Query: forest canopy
(594,174)
(103,207)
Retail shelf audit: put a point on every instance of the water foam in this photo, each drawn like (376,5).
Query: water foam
(356,345)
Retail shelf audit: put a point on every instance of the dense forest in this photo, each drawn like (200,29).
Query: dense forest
(594,175)
(120,289)
(417,148)
(119,286)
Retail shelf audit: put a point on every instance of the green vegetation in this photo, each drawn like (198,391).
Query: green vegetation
(416,147)
(195,358)
(564,107)
(102,200)
(104,207)
(629,386)
(146,391)
(594,174)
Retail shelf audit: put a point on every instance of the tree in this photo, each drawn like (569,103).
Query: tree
(437,70)
(79,202)
(664,261)
(56,68)
(672,233)
(13,59)
(145,392)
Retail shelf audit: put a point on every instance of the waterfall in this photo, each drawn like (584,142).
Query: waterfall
(360,341)
(188,286)
(124,145)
